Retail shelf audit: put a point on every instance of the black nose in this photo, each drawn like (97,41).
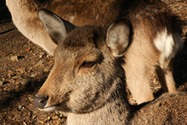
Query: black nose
(40,101)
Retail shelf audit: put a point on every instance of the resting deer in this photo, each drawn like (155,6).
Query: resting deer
(153,36)
(87,81)
(91,12)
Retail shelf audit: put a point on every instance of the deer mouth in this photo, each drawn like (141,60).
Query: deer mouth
(48,109)
(45,103)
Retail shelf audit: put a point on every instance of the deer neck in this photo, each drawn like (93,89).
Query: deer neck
(115,112)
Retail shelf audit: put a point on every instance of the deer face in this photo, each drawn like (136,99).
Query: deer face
(85,73)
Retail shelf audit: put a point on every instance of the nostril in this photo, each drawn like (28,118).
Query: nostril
(40,101)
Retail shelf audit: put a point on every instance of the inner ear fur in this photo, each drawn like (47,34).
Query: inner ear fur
(118,37)
(56,27)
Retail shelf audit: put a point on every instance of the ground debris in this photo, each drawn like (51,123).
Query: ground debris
(14,58)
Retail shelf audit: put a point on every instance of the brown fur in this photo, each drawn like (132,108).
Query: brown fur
(87,12)
(92,12)
(28,23)
(151,22)
(142,58)
(87,82)
(166,110)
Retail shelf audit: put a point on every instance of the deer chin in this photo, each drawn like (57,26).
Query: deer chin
(53,108)
(48,109)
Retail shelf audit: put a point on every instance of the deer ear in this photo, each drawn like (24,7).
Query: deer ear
(118,37)
(56,27)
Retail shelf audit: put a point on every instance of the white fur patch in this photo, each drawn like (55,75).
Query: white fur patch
(164,43)
(168,46)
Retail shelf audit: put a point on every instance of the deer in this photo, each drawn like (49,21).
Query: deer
(87,81)
(25,18)
(153,36)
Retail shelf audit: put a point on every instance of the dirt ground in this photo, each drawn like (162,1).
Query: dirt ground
(25,66)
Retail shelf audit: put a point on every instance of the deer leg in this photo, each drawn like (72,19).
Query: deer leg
(162,79)
(170,83)
(166,79)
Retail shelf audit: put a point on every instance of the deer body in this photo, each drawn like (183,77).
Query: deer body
(151,41)
(167,109)
(25,18)
(153,48)
(28,23)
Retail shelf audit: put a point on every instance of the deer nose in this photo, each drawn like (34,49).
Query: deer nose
(40,101)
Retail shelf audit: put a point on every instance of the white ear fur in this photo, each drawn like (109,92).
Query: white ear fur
(56,27)
(118,37)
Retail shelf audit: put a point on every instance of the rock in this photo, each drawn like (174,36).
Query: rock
(3,79)
(24,82)
(14,58)
(48,118)
(1,83)
(54,117)
(20,107)
(61,115)
(34,116)
(41,55)
(33,75)
(47,69)
(24,123)
(41,122)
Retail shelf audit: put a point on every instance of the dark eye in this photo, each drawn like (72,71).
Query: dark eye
(87,64)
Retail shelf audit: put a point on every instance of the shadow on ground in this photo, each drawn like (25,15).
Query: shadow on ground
(10,96)
(4,13)
(180,65)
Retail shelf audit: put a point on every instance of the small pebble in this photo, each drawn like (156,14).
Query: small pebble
(14,58)
(41,122)
(33,75)
(34,116)
(41,55)
(20,107)
(3,79)
(24,123)
(1,83)
(47,69)
(48,118)
(24,82)
(54,117)
(61,115)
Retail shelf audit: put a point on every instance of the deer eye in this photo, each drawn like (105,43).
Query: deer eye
(87,64)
